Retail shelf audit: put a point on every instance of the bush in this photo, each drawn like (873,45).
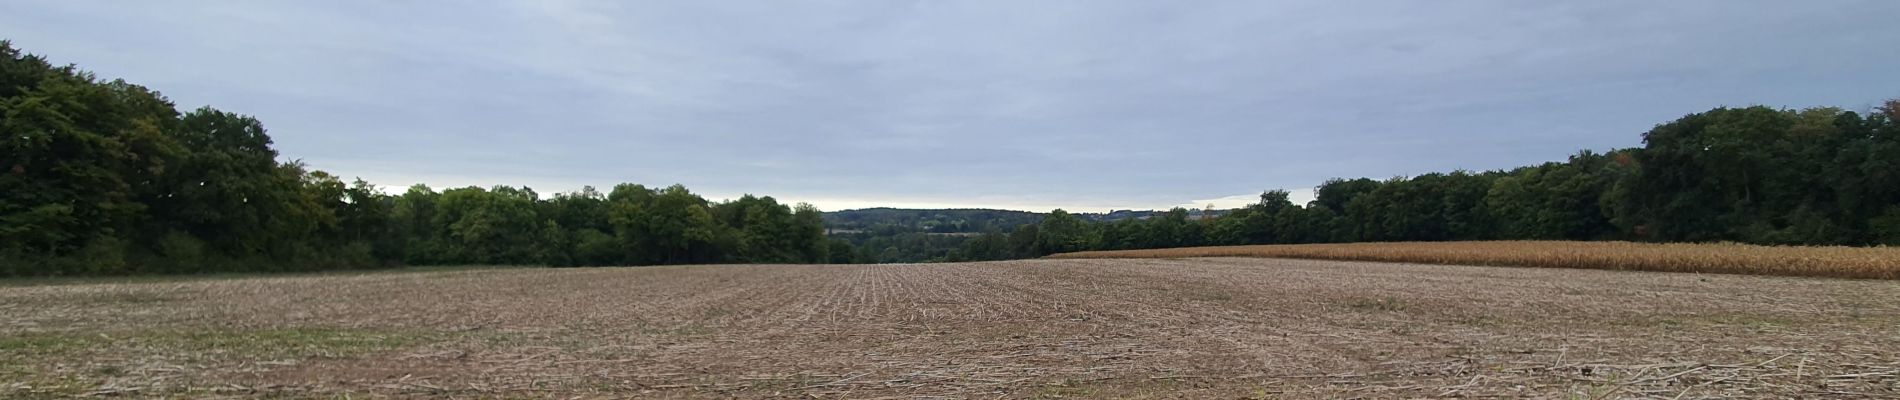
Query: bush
(1886,228)
(593,247)
(179,252)
(101,256)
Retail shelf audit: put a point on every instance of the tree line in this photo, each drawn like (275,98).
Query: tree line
(1817,176)
(109,177)
(889,235)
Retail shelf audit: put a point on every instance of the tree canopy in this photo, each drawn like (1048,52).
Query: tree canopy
(107,177)
(1818,176)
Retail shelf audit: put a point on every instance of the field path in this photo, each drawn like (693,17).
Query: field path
(1084,328)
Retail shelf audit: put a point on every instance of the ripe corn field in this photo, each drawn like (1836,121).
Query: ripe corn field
(1722,258)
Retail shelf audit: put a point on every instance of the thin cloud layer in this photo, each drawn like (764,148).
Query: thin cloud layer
(1087,105)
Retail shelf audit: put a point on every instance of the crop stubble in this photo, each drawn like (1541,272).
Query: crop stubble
(1217,327)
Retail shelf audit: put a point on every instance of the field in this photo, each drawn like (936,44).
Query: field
(1835,262)
(1080,328)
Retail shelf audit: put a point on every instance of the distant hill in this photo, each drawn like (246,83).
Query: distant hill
(907,235)
(963,220)
(1118,215)
(929,220)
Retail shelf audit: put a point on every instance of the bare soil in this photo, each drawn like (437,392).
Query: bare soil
(1086,328)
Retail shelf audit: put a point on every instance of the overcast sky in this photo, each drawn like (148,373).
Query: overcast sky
(1087,105)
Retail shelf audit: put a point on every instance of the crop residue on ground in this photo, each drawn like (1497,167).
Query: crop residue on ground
(1083,328)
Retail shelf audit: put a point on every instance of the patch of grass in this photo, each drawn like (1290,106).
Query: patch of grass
(1120,388)
(40,343)
(213,344)
(1066,388)
(1390,304)
(127,298)
(1261,394)
(73,363)
(295,342)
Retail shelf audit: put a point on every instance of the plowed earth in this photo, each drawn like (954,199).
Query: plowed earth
(1163,328)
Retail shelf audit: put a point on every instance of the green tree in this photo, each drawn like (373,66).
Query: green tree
(1061,232)
(1554,200)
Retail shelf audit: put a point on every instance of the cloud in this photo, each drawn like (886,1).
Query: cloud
(1297,196)
(1075,104)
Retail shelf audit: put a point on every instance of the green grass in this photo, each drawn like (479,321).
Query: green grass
(33,343)
(1391,304)
(126,298)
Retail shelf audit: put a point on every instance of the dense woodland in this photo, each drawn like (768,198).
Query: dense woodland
(1819,176)
(108,177)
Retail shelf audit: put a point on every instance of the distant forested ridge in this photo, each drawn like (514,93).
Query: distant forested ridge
(108,177)
(893,235)
(929,220)
(1817,176)
(966,220)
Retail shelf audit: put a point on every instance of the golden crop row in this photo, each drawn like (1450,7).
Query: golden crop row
(1725,258)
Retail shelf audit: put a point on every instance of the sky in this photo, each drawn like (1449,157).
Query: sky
(1085,105)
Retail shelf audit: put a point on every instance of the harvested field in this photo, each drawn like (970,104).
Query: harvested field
(1724,258)
(1177,328)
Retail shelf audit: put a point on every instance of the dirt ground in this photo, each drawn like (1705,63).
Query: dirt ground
(1154,328)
